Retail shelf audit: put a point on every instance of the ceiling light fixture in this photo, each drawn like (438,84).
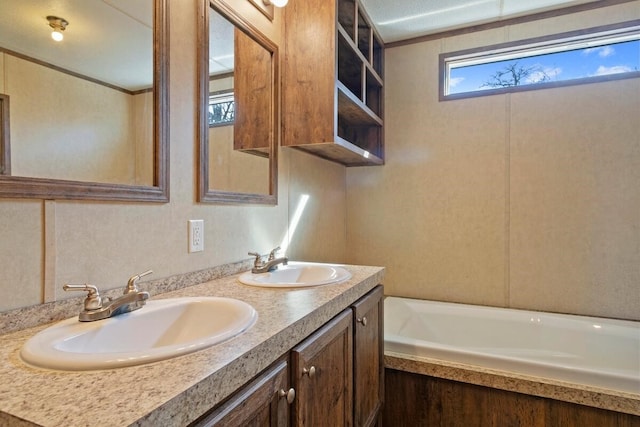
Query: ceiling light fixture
(276,3)
(58,25)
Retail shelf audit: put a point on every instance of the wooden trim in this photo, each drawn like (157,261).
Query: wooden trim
(5,135)
(205,194)
(506,22)
(39,188)
(161,45)
(267,10)
(141,91)
(202,68)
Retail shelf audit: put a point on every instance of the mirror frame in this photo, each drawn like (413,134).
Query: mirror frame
(205,194)
(43,188)
(5,146)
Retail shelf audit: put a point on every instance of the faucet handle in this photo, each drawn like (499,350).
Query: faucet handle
(93,301)
(258,261)
(272,254)
(131,284)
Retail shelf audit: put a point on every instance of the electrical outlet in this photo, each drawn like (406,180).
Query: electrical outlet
(196,235)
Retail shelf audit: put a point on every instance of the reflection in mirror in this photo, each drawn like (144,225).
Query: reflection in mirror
(88,112)
(238,67)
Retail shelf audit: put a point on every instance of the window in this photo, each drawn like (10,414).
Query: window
(221,109)
(593,55)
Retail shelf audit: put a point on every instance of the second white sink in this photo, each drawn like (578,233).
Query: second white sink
(297,274)
(162,329)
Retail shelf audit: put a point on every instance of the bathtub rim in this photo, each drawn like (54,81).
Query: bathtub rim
(589,395)
(503,357)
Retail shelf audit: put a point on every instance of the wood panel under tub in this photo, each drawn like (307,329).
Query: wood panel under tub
(415,400)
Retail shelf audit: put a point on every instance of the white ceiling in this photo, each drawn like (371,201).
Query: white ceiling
(109,40)
(404,19)
(221,34)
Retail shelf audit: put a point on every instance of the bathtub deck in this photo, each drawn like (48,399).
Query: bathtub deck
(596,397)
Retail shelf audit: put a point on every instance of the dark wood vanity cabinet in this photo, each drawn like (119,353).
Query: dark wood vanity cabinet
(264,402)
(322,375)
(334,377)
(368,358)
(338,372)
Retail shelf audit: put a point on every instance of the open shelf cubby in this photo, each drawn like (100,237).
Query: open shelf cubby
(333,109)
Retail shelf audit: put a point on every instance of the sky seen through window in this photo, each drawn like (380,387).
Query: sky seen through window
(580,63)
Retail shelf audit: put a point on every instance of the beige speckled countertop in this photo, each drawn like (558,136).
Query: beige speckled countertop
(177,391)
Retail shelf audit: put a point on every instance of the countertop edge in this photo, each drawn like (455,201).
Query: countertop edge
(267,352)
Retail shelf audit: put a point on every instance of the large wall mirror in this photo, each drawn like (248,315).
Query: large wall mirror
(238,75)
(85,117)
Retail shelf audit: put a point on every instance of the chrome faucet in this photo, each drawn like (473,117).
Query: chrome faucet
(272,262)
(95,307)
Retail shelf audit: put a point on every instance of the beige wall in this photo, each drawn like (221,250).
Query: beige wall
(65,127)
(142,130)
(524,200)
(528,200)
(46,244)
(234,170)
(230,169)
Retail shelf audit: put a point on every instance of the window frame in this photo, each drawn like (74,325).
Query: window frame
(221,97)
(593,33)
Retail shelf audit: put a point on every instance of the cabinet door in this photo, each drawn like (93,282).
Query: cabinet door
(322,375)
(368,363)
(253,87)
(261,403)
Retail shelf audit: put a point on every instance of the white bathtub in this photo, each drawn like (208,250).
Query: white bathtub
(583,350)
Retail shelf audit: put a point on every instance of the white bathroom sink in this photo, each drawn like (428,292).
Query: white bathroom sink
(297,274)
(160,330)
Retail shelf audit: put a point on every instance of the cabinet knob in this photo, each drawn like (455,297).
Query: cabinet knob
(289,395)
(362,320)
(311,372)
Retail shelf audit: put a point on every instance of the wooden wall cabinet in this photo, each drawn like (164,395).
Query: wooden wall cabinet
(333,82)
(335,378)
